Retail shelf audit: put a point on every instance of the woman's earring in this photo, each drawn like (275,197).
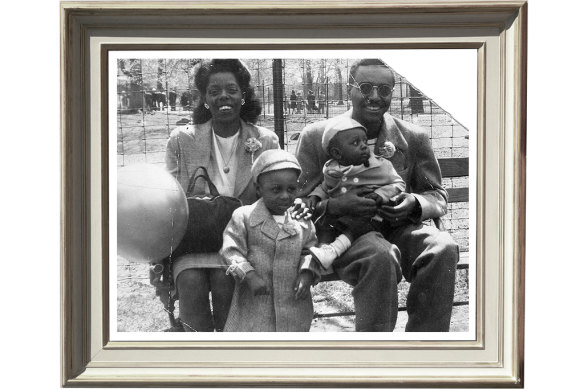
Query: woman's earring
(242,101)
(206,105)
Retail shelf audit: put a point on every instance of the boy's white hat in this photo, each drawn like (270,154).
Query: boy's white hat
(334,126)
(271,160)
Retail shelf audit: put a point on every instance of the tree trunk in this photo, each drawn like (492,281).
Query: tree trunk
(308,84)
(338,90)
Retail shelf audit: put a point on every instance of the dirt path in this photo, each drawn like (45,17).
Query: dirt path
(458,323)
(139,310)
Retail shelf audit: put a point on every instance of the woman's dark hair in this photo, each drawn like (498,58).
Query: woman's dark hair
(252,108)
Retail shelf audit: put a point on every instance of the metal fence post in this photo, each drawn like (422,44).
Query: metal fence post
(401,96)
(264,98)
(278,100)
(347,68)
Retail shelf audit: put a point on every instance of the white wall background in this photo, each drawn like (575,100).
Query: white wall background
(30,196)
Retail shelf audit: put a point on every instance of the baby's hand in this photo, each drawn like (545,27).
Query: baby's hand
(256,284)
(302,285)
(303,208)
(375,197)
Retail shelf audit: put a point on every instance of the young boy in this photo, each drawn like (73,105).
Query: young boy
(267,253)
(351,165)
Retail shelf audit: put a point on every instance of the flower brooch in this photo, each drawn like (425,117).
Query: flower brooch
(387,150)
(252,145)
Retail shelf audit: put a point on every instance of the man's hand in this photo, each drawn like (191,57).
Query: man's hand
(353,203)
(256,284)
(406,205)
(304,207)
(302,285)
(375,197)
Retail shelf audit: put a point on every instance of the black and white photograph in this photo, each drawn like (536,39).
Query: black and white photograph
(60,187)
(293,194)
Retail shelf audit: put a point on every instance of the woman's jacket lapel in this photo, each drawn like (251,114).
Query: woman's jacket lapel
(244,158)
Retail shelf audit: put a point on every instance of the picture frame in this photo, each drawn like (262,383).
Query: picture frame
(497,30)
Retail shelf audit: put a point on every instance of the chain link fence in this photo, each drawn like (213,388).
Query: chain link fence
(156,95)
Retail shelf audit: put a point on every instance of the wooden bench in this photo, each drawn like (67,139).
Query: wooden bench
(450,168)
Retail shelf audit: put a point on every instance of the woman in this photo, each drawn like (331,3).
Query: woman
(225,141)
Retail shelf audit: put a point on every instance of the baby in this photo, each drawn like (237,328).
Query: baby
(267,253)
(351,165)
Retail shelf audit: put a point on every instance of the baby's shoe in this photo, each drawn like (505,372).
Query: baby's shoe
(325,254)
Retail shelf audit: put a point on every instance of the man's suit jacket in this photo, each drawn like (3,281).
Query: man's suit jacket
(413,160)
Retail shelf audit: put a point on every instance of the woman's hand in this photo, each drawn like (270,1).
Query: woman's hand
(302,285)
(256,284)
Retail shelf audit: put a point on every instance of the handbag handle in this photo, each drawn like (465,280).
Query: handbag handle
(212,188)
(193,178)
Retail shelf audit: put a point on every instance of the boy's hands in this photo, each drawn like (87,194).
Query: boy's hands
(302,284)
(256,284)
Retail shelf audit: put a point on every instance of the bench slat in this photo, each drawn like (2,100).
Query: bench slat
(453,167)
(457,195)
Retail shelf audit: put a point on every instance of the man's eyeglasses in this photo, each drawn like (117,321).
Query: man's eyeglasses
(366,88)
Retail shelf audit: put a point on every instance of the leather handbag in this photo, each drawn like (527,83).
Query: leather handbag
(209,214)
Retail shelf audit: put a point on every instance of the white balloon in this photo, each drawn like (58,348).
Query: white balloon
(152,213)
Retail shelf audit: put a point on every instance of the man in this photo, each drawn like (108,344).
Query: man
(425,256)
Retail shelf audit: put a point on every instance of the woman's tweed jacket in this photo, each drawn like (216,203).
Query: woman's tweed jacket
(275,253)
(190,147)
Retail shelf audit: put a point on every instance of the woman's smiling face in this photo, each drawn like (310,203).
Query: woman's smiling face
(224,96)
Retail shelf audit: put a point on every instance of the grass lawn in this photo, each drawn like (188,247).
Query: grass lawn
(139,310)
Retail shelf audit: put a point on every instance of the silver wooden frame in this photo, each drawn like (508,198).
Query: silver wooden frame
(497,29)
